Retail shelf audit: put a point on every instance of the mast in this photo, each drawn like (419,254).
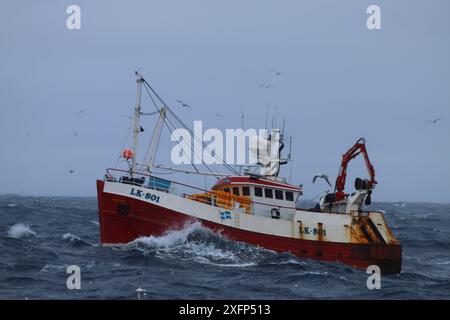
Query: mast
(154,142)
(136,117)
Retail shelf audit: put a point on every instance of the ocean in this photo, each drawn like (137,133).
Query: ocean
(41,236)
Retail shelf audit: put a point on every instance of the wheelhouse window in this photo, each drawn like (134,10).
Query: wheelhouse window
(236,191)
(279,195)
(289,196)
(258,192)
(245,191)
(268,193)
(226,190)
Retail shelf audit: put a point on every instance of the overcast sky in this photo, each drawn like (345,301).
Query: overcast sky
(342,82)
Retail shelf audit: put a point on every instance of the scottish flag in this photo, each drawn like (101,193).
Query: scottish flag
(225,215)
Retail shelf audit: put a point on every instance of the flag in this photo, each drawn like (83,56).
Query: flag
(224,215)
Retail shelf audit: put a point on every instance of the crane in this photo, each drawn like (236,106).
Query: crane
(353,152)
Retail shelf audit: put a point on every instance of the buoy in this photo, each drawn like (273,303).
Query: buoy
(127,154)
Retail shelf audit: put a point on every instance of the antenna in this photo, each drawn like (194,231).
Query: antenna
(282,130)
(276,117)
(290,148)
(290,159)
(242,119)
(267,115)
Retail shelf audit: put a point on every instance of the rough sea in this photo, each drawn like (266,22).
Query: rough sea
(41,236)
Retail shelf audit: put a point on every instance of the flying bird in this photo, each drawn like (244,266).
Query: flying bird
(75,134)
(279,73)
(322,176)
(71,171)
(218,115)
(183,104)
(435,120)
(82,111)
(265,85)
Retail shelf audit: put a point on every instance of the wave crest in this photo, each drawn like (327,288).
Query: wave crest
(71,237)
(201,245)
(170,239)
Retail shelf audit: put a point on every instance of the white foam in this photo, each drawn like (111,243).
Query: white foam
(94,222)
(176,244)
(20,230)
(53,267)
(171,238)
(315,273)
(71,237)
(12,205)
(289,261)
(438,261)
(235,265)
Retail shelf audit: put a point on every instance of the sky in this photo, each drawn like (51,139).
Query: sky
(342,81)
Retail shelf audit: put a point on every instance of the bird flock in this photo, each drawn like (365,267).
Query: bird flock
(263,85)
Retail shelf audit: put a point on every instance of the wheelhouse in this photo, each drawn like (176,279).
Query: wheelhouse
(270,198)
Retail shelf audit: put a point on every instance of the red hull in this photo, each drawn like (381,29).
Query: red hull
(123,219)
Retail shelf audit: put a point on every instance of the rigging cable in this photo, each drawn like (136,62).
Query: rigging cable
(171,127)
(229,167)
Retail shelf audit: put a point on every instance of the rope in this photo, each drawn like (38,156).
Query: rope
(229,167)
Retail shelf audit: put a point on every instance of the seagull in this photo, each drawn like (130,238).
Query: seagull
(279,73)
(322,176)
(183,104)
(218,115)
(82,111)
(265,85)
(75,134)
(435,120)
(71,171)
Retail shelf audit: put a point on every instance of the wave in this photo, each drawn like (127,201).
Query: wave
(201,245)
(170,239)
(76,240)
(54,268)
(20,230)
(292,261)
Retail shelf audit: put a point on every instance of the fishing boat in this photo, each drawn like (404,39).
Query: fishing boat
(254,205)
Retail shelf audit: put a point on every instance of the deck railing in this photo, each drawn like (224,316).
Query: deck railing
(209,197)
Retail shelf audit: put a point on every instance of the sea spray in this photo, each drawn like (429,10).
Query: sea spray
(20,230)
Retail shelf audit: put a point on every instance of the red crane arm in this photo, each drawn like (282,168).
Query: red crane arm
(353,152)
